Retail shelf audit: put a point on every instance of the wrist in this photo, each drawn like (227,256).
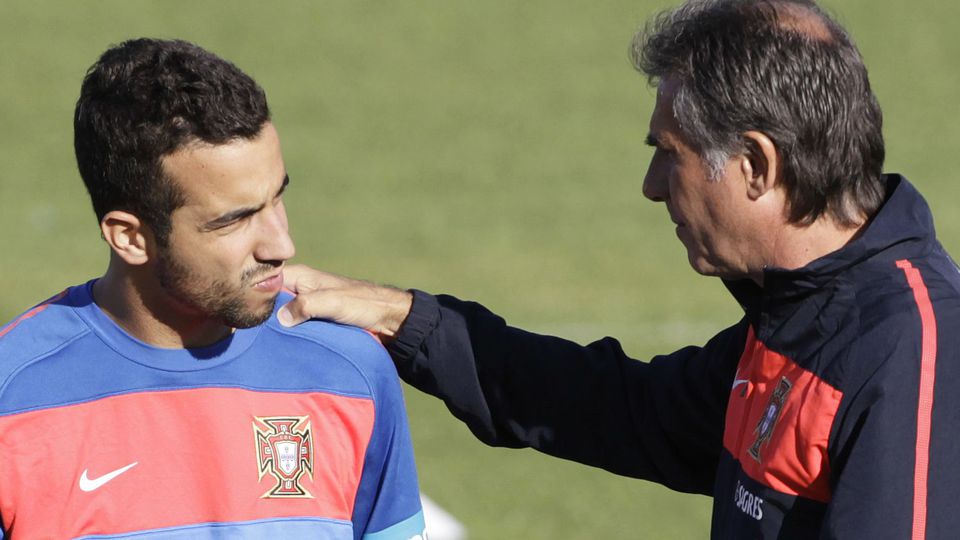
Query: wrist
(397,304)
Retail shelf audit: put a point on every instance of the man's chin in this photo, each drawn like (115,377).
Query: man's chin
(700,264)
(706,267)
(251,317)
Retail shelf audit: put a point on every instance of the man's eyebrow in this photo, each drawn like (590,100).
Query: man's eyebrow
(652,140)
(230,217)
(240,213)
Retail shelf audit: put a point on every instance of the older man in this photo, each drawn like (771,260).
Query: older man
(826,411)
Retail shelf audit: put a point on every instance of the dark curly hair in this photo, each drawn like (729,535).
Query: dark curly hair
(784,68)
(144,99)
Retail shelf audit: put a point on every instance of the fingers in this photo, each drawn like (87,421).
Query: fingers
(291,273)
(314,305)
(299,279)
(319,295)
(296,277)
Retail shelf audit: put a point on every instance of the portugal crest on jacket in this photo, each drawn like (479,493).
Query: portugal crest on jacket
(284,451)
(771,414)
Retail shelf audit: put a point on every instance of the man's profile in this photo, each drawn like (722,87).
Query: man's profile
(161,400)
(828,409)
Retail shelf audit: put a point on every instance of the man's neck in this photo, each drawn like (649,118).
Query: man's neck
(147,313)
(796,246)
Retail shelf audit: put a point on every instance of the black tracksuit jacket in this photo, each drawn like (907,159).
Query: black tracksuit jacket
(831,410)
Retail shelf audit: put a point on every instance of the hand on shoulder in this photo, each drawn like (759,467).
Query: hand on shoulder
(321,295)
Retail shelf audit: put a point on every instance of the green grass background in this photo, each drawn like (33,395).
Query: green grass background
(493,149)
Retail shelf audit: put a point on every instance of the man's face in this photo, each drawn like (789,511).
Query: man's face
(229,241)
(711,215)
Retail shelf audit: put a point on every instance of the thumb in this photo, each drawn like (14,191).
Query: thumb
(292,313)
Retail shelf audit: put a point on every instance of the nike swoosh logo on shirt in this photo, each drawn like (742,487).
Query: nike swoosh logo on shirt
(91,484)
(738,382)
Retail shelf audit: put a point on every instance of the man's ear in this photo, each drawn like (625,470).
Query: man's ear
(760,164)
(128,237)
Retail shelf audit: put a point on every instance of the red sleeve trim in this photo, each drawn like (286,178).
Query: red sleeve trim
(31,313)
(928,364)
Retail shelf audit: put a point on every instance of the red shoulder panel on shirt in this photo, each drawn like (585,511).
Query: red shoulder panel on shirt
(32,313)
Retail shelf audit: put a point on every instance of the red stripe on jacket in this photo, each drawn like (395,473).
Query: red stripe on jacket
(928,364)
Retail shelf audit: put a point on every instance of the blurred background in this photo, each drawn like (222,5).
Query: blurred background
(490,149)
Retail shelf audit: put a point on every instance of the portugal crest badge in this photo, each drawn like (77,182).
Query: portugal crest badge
(770,416)
(285,451)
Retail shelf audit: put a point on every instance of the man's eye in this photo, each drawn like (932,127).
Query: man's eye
(227,226)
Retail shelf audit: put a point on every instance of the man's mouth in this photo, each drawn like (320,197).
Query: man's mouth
(271,284)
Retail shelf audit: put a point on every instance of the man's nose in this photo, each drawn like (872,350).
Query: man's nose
(275,243)
(654,186)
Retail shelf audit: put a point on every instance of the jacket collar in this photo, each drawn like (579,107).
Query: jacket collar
(904,219)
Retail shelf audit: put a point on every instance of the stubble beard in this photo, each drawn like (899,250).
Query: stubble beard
(216,299)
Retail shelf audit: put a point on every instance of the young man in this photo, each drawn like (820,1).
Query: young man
(162,400)
(829,410)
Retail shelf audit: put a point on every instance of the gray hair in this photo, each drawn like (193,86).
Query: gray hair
(786,69)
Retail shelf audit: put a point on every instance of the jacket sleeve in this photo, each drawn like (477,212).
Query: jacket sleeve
(661,421)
